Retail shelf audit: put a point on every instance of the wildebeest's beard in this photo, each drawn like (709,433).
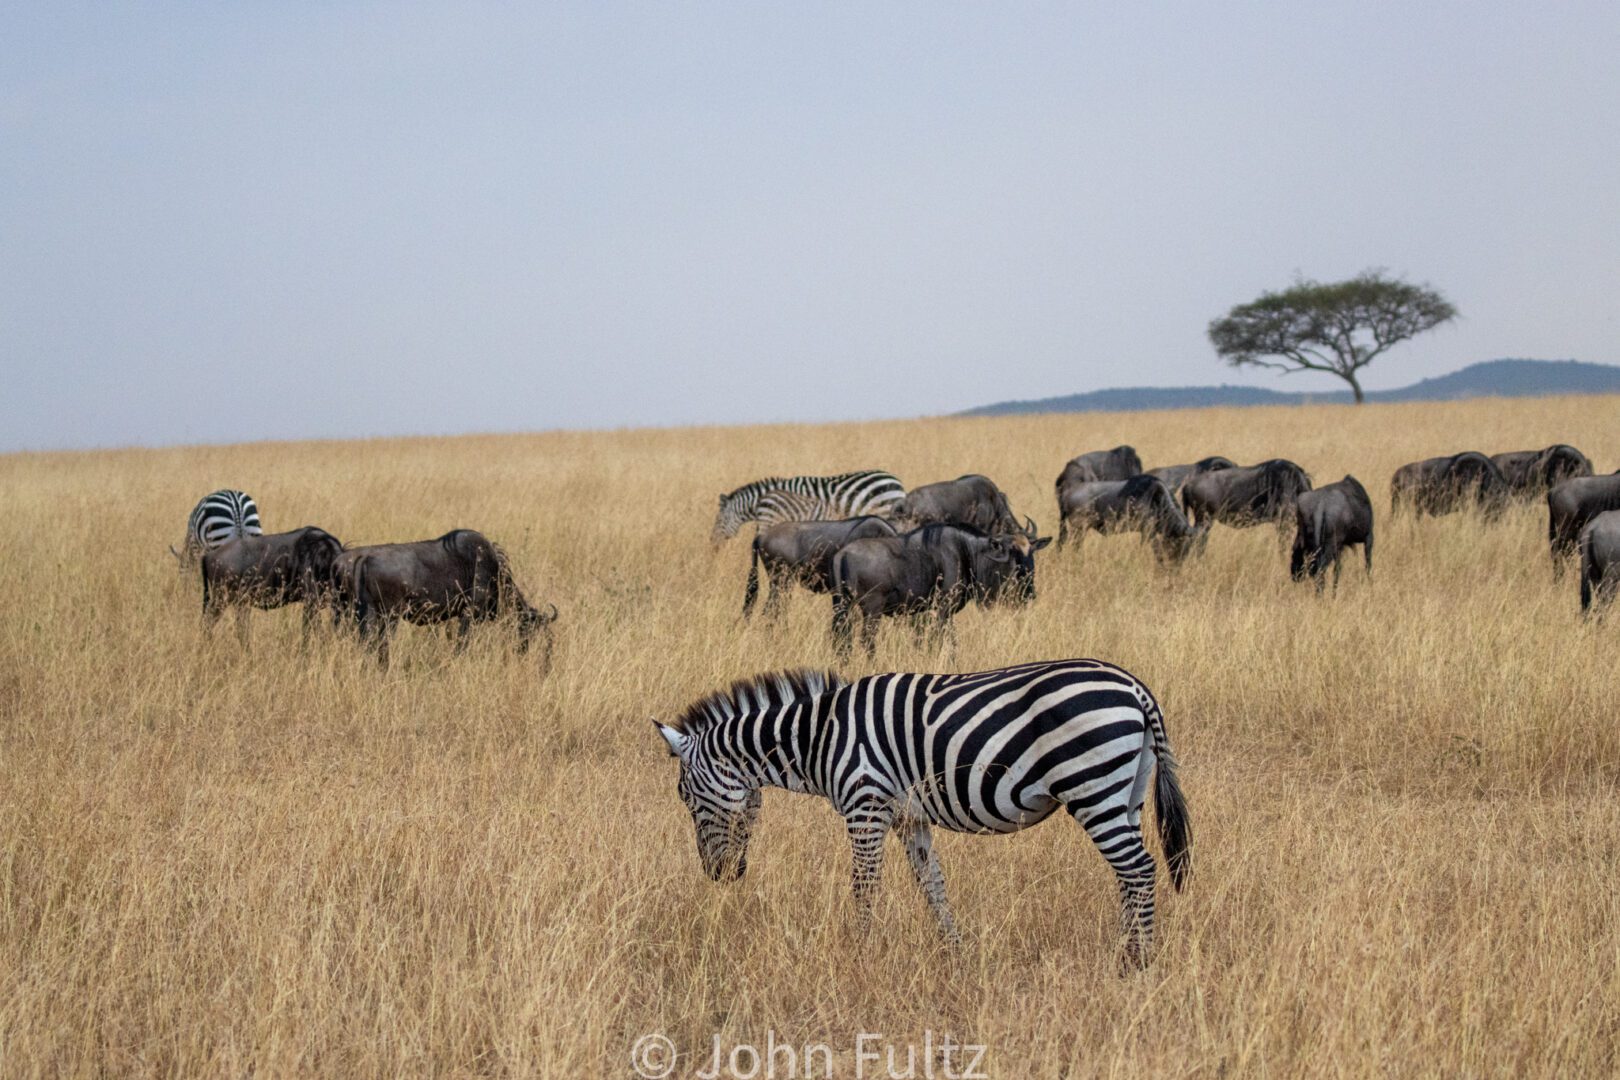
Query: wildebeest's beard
(532,623)
(1003,574)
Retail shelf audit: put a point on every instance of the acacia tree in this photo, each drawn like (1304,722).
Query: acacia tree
(1338,328)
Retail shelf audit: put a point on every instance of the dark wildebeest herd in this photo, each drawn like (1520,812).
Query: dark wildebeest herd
(459,579)
(879,550)
(928,552)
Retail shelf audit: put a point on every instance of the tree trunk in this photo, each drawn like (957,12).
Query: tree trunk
(1361,399)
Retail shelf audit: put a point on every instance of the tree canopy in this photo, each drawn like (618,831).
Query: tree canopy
(1337,327)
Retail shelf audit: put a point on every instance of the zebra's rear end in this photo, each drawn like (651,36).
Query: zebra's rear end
(997,751)
(217,519)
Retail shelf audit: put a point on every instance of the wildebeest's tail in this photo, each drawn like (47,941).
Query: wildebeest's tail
(1299,561)
(1169,805)
(1588,573)
(752,591)
(362,607)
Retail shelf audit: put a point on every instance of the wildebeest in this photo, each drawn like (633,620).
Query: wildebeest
(1328,520)
(460,576)
(1444,485)
(972,500)
(269,572)
(1174,476)
(1246,494)
(931,571)
(1120,463)
(1571,505)
(801,552)
(1600,560)
(1141,504)
(1533,472)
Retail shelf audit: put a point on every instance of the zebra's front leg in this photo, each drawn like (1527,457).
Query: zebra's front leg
(867,826)
(919,843)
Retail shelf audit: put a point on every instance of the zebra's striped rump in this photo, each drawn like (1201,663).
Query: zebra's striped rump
(218,518)
(985,752)
(807,498)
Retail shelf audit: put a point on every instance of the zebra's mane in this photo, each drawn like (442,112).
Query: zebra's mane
(769,691)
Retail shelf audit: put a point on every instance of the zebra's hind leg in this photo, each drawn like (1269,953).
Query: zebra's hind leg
(919,844)
(1117,832)
(867,825)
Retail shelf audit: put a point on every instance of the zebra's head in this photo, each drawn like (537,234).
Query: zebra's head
(729,519)
(724,804)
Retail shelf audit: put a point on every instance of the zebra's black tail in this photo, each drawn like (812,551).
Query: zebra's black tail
(752,591)
(1169,805)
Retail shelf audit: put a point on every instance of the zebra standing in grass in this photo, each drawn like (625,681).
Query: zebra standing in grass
(988,752)
(807,498)
(224,515)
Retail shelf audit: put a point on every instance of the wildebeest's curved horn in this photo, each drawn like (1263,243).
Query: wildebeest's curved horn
(1029,527)
(553,616)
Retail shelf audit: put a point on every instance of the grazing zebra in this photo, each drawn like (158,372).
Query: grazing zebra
(988,752)
(219,517)
(807,498)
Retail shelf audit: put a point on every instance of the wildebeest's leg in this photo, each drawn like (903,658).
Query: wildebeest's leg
(1366,553)
(212,606)
(751,590)
(461,627)
(919,628)
(385,632)
(919,847)
(869,629)
(840,631)
(242,625)
(867,825)
(1063,533)
(777,582)
(309,623)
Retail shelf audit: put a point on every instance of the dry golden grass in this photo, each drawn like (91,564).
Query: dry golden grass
(216,863)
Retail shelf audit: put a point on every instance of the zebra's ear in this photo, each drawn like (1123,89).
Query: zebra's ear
(677,740)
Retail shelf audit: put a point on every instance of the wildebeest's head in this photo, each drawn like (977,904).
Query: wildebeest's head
(1178,546)
(723,803)
(315,553)
(1004,570)
(532,622)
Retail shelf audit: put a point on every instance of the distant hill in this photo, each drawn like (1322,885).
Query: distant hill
(1492,378)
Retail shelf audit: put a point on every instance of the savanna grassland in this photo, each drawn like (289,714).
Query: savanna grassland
(216,862)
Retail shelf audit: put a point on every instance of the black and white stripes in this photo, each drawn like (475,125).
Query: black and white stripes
(989,752)
(221,516)
(807,498)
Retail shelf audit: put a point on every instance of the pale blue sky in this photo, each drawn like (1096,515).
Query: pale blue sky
(220,223)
